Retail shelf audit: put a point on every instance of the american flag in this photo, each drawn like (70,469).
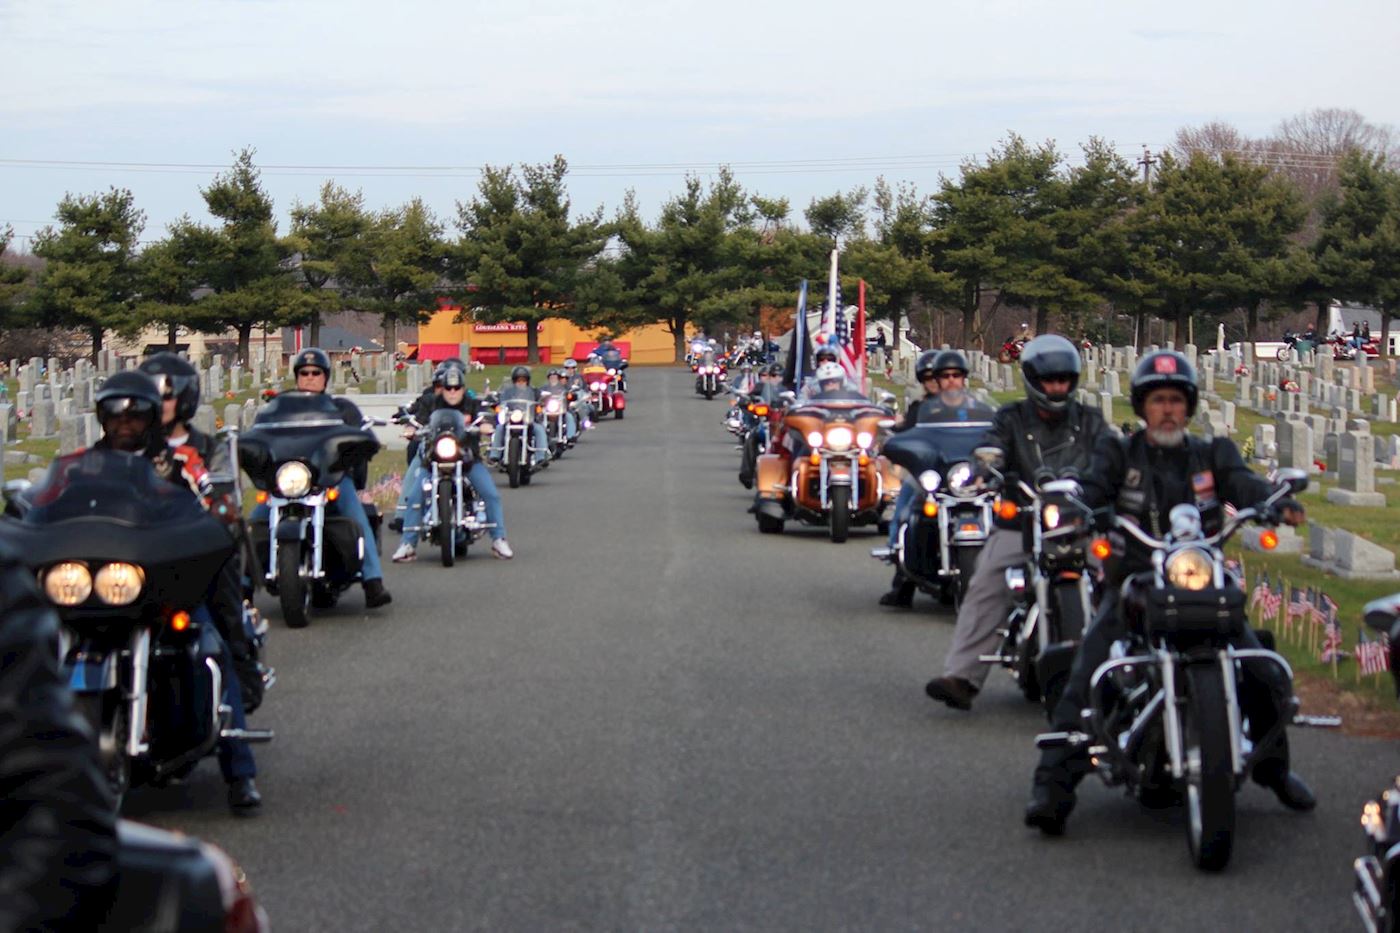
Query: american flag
(1372,657)
(1260,591)
(1299,606)
(1332,642)
(1271,603)
(836,327)
(1324,611)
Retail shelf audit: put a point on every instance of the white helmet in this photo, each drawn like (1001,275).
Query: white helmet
(829,371)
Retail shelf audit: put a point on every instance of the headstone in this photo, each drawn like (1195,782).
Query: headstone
(82,394)
(1112,384)
(233,415)
(1106,406)
(213,382)
(1359,559)
(250,411)
(1243,387)
(1265,447)
(92,429)
(1356,471)
(204,419)
(53,371)
(24,400)
(1288,540)
(70,435)
(415,380)
(1208,379)
(1227,411)
(41,423)
(1295,446)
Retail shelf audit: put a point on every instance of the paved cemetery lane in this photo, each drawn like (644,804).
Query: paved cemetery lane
(656,718)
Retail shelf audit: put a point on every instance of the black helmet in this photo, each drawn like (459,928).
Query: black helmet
(175,378)
(1164,369)
(926,365)
(453,378)
(1049,355)
(130,391)
(950,359)
(312,356)
(557,373)
(520,372)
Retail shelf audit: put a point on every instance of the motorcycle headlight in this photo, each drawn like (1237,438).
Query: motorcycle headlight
(293,480)
(929,480)
(68,583)
(1189,569)
(814,439)
(613,372)
(552,406)
(1050,516)
(446,448)
(119,584)
(517,416)
(839,438)
(960,477)
(864,439)
(596,387)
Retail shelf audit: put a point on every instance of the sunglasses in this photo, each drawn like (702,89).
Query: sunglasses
(454,388)
(125,408)
(314,371)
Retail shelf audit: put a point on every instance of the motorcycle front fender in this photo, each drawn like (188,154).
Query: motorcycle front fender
(292,529)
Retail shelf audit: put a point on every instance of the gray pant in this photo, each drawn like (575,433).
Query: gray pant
(984,608)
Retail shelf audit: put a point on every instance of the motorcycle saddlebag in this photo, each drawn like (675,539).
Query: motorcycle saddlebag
(258,535)
(341,555)
(773,471)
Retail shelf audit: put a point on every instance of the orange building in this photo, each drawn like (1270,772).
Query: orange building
(445,336)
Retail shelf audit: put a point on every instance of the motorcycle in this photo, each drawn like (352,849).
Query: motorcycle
(169,881)
(1053,592)
(126,559)
(710,375)
(556,423)
(296,453)
(839,482)
(1163,714)
(453,517)
(518,452)
(938,543)
(1011,350)
(605,394)
(1377,873)
(751,420)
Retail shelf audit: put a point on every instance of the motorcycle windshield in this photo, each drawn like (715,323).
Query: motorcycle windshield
(447,420)
(100,506)
(934,446)
(307,427)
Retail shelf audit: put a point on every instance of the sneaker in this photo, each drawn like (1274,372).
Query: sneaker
(405,553)
(501,548)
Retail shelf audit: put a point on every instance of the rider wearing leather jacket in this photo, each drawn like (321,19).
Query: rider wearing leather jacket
(128,408)
(178,382)
(58,837)
(1048,430)
(1143,476)
(457,397)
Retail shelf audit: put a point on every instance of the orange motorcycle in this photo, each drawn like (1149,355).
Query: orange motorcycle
(827,470)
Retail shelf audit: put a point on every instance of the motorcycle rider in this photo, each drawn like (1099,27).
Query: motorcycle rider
(128,409)
(312,369)
(1046,430)
(57,816)
(573,380)
(831,384)
(519,388)
(456,397)
(943,374)
(556,386)
(1143,476)
(178,382)
(611,358)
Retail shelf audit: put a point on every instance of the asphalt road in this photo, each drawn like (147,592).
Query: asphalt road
(656,718)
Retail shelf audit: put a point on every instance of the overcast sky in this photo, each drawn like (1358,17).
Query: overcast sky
(634,93)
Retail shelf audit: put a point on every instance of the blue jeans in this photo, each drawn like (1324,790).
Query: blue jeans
(908,492)
(481,481)
(350,506)
(235,757)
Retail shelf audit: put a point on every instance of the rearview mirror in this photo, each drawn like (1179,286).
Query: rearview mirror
(992,457)
(886,423)
(1296,480)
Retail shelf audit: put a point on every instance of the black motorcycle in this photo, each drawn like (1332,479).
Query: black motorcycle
(516,417)
(453,515)
(1163,715)
(555,407)
(1377,893)
(938,543)
(1053,592)
(127,558)
(296,453)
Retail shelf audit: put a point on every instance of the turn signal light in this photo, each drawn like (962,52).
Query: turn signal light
(332,495)
(1007,510)
(815,459)
(261,497)
(865,460)
(1268,539)
(1101,549)
(760,410)
(180,621)
(930,508)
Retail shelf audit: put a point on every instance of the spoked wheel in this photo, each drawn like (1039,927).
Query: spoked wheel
(513,465)
(292,591)
(840,513)
(447,530)
(1210,777)
(1285,354)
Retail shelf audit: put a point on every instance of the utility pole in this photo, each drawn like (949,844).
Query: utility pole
(1146,162)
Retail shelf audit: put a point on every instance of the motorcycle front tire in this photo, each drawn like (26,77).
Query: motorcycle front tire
(1210,777)
(447,531)
(292,592)
(513,465)
(840,514)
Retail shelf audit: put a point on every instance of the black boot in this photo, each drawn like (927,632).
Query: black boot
(1052,801)
(375,594)
(243,797)
(901,594)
